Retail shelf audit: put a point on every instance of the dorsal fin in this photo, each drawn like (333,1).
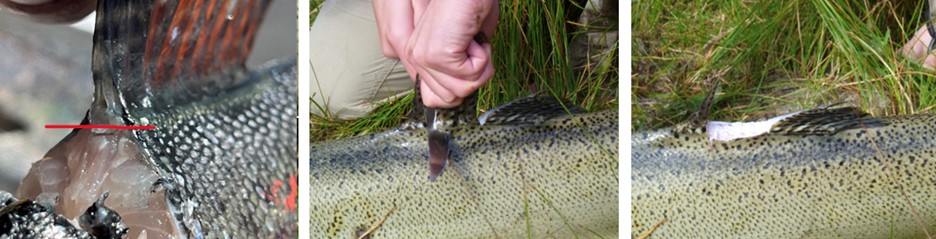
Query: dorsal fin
(211,38)
(697,120)
(153,53)
(532,109)
(825,120)
(821,120)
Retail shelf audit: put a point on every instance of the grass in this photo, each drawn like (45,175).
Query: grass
(314,7)
(773,57)
(531,54)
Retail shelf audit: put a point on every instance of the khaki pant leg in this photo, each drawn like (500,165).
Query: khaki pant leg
(350,75)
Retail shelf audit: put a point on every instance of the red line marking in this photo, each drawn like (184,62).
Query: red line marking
(100,126)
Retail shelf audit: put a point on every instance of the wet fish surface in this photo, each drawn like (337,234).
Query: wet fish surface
(221,162)
(28,219)
(545,177)
(826,173)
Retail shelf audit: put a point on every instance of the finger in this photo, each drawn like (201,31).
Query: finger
(31,2)
(51,11)
(419,7)
(394,25)
(460,79)
(916,47)
(454,86)
(379,15)
(430,99)
(488,72)
(431,80)
(464,64)
(930,62)
(477,61)
(410,68)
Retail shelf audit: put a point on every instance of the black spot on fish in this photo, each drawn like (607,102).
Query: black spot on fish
(102,222)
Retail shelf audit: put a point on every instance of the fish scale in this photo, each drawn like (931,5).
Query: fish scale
(26,219)
(226,146)
(787,185)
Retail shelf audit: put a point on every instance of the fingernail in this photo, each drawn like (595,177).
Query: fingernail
(31,2)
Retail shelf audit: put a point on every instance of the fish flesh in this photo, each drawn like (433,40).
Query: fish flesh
(517,175)
(828,172)
(221,162)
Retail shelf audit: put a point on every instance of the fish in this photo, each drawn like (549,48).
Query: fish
(826,172)
(523,173)
(221,161)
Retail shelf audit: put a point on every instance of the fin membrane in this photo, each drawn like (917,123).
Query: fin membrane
(698,120)
(157,54)
(532,109)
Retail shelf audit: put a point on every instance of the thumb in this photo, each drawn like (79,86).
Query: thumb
(430,99)
(478,61)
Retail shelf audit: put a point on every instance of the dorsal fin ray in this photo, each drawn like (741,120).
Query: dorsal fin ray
(697,120)
(825,120)
(532,109)
(154,53)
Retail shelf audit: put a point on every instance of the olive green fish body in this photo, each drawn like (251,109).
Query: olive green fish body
(788,186)
(554,179)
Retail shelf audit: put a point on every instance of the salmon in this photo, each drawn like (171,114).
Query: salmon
(829,172)
(530,170)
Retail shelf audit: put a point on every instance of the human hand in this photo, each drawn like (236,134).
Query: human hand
(918,48)
(440,46)
(395,23)
(51,11)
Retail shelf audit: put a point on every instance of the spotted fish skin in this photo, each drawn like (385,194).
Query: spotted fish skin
(557,168)
(231,161)
(788,185)
(225,140)
(29,219)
